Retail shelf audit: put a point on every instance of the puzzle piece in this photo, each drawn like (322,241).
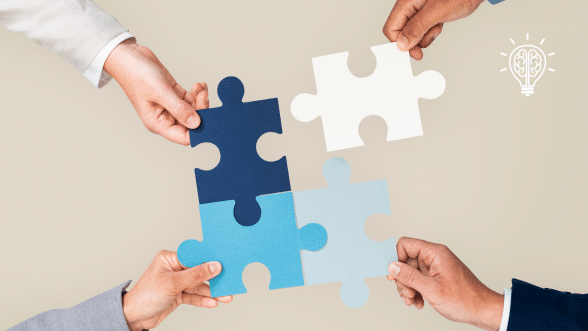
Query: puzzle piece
(241,174)
(343,208)
(274,241)
(343,100)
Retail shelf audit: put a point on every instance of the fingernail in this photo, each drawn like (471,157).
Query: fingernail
(403,293)
(435,35)
(394,269)
(214,267)
(402,43)
(192,121)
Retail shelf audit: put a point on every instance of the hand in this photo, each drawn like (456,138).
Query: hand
(414,24)
(162,104)
(432,272)
(164,286)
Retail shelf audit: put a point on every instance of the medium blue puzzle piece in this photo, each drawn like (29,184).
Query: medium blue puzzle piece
(343,208)
(241,174)
(275,241)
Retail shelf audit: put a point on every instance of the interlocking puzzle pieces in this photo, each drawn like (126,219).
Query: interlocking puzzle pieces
(342,209)
(343,100)
(241,174)
(274,241)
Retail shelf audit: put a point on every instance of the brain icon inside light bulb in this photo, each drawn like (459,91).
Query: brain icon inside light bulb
(527,64)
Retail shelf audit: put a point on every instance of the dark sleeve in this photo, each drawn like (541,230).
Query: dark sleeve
(534,309)
(495,1)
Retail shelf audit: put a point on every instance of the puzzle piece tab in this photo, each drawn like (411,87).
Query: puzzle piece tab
(349,255)
(274,241)
(241,174)
(343,100)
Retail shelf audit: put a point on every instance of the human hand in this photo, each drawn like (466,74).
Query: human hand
(164,286)
(163,105)
(415,24)
(432,272)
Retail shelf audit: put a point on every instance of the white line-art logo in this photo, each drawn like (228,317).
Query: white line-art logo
(527,64)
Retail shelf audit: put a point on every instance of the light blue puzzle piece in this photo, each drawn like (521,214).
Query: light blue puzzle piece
(274,241)
(342,209)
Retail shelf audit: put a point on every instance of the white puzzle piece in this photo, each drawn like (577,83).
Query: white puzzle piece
(343,100)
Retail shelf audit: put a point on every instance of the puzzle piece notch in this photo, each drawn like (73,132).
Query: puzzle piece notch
(241,174)
(344,100)
(275,241)
(342,208)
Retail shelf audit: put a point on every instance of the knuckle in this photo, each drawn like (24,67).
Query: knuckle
(150,127)
(409,294)
(160,253)
(414,28)
(386,30)
(444,249)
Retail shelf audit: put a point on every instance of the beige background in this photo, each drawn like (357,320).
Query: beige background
(89,195)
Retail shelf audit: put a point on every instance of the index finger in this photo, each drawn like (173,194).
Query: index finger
(415,249)
(168,127)
(401,13)
(177,133)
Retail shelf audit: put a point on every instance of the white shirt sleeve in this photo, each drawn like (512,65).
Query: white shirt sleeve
(77,30)
(95,73)
(506,309)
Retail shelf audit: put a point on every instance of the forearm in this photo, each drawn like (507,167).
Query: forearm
(75,29)
(103,312)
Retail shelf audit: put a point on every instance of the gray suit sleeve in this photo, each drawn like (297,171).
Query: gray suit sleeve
(101,313)
(77,30)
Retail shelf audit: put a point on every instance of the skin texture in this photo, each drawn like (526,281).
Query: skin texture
(431,272)
(164,286)
(415,24)
(163,105)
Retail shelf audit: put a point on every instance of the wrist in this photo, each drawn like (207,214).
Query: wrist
(114,60)
(130,312)
(489,313)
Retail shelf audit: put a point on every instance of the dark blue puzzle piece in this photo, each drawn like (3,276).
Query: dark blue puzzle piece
(241,174)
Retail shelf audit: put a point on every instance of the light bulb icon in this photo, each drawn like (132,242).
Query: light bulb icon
(527,64)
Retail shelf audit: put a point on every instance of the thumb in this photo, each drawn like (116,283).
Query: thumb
(198,274)
(180,110)
(417,26)
(410,277)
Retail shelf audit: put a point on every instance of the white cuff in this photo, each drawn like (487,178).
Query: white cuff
(94,73)
(506,309)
